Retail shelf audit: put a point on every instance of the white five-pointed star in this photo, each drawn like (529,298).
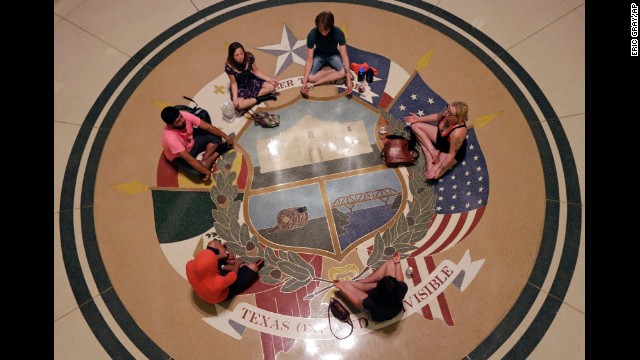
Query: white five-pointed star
(289,51)
(402,107)
(414,97)
(420,113)
(430,101)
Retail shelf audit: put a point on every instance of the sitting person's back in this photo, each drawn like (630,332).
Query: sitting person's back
(214,283)
(202,273)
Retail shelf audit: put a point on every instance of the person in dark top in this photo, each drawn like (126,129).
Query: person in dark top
(326,45)
(444,144)
(249,86)
(380,294)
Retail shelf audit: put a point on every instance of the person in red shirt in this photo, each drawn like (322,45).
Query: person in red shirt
(181,146)
(206,275)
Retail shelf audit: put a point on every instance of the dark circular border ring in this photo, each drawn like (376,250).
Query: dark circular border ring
(136,69)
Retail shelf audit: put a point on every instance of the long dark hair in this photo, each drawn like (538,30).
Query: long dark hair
(387,291)
(231,61)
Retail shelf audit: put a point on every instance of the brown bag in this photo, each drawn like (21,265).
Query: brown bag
(396,151)
(341,313)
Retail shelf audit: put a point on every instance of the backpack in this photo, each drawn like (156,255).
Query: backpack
(197,111)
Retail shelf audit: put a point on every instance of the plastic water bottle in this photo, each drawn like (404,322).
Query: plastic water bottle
(361,73)
(370,75)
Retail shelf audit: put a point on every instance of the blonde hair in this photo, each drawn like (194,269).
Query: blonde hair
(462,109)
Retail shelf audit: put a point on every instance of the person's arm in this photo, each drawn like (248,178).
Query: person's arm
(215,131)
(307,69)
(197,165)
(345,64)
(399,275)
(413,118)
(260,75)
(234,90)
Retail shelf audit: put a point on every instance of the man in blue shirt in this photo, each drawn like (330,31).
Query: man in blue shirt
(326,45)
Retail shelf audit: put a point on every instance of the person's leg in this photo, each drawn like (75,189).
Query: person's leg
(443,155)
(213,147)
(247,275)
(426,136)
(379,273)
(246,103)
(180,163)
(335,72)
(267,88)
(265,94)
(351,293)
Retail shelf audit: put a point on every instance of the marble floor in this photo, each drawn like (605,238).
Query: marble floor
(497,245)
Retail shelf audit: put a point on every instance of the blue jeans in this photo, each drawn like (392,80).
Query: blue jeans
(321,60)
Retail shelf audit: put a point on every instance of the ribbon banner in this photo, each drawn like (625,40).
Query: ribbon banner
(244,315)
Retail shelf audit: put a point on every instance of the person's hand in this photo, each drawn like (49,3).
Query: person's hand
(349,84)
(236,103)
(433,173)
(273,82)
(411,118)
(304,91)
(236,265)
(230,141)
(207,175)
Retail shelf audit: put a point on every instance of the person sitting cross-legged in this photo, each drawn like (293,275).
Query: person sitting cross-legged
(214,283)
(380,294)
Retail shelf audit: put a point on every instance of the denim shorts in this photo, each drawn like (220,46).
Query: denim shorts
(321,60)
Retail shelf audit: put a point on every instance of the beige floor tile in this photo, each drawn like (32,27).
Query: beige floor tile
(574,3)
(201,4)
(130,27)
(64,7)
(581,10)
(56,18)
(555,59)
(502,21)
(73,340)
(83,66)
(565,339)
(64,135)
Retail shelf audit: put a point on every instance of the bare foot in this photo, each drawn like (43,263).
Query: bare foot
(210,161)
(435,157)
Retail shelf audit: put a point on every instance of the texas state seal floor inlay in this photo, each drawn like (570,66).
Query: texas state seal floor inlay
(496,245)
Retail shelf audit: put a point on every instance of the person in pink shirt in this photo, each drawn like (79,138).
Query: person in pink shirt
(181,146)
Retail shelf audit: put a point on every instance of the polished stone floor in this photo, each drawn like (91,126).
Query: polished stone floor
(497,245)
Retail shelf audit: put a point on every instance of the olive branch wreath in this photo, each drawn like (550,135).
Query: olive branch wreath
(288,267)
